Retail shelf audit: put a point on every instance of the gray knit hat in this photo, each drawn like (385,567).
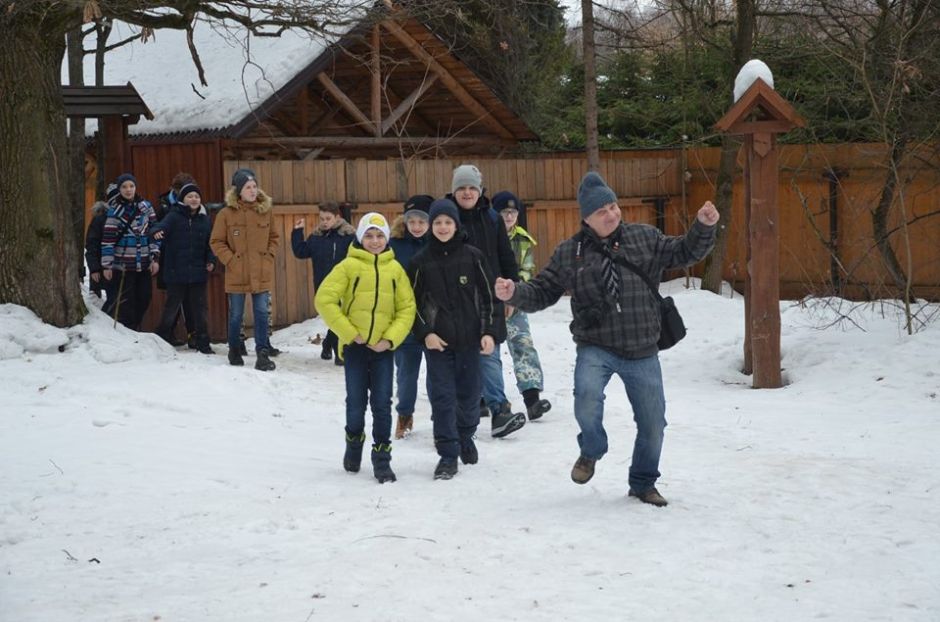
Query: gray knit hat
(467,175)
(241,177)
(594,194)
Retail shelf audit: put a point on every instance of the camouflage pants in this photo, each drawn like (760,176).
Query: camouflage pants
(525,360)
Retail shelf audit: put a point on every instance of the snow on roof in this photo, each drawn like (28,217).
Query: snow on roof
(750,72)
(242,70)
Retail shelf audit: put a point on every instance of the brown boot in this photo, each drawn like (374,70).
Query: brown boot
(583,470)
(650,496)
(405,423)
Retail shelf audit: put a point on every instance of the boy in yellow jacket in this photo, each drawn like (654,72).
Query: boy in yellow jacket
(368,302)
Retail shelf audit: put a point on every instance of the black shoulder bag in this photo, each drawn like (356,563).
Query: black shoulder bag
(672,328)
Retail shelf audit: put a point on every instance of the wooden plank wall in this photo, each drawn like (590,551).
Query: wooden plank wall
(548,185)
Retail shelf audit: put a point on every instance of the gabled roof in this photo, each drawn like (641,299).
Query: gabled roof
(258,85)
(774,113)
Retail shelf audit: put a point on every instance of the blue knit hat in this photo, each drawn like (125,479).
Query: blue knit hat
(418,206)
(594,194)
(241,177)
(125,177)
(445,207)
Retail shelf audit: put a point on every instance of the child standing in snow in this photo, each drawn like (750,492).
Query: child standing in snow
(456,319)
(409,236)
(525,358)
(367,301)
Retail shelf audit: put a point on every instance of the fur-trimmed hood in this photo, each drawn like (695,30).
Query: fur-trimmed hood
(341,227)
(262,204)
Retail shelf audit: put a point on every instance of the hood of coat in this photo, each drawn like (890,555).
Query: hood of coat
(341,227)
(517,230)
(262,204)
(360,254)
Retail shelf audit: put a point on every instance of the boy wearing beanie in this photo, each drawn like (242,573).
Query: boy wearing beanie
(525,358)
(616,321)
(485,231)
(456,322)
(245,239)
(325,247)
(187,263)
(367,301)
(409,236)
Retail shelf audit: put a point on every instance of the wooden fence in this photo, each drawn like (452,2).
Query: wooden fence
(823,225)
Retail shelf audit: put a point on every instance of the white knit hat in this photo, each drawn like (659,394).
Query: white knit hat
(372,220)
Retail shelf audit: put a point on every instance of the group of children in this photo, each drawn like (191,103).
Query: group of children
(389,295)
(426,287)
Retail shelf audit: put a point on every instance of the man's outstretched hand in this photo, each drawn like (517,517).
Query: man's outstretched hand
(505,288)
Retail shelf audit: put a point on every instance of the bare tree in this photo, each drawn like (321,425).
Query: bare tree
(40,256)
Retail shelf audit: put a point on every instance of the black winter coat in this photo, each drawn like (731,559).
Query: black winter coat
(324,248)
(184,249)
(93,238)
(453,292)
(485,230)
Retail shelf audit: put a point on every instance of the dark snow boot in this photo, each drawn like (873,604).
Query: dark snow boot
(263,363)
(505,422)
(381,463)
(484,409)
(538,409)
(446,468)
(327,352)
(353,456)
(468,452)
(192,342)
(242,348)
(235,357)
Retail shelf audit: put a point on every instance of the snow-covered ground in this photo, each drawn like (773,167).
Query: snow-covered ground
(142,483)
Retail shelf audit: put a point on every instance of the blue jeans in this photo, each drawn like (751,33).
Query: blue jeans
(454,389)
(491,369)
(643,379)
(369,383)
(407,366)
(236,311)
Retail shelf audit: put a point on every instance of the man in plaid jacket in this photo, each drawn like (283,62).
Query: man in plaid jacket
(616,321)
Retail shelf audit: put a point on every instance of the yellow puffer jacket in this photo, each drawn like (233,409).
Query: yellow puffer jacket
(367,295)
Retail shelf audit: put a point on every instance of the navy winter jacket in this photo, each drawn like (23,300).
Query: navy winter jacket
(185,245)
(324,248)
(407,247)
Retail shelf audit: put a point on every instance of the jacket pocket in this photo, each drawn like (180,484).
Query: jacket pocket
(236,271)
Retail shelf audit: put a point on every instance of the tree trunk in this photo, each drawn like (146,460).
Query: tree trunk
(590,86)
(742,44)
(76,176)
(879,221)
(724,195)
(39,257)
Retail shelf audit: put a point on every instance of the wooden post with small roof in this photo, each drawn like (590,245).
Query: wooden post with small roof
(759,115)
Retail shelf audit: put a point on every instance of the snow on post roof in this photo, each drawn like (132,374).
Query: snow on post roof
(750,72)
(242,69)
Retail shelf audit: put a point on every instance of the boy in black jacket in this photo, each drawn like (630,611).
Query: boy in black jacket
(455,320)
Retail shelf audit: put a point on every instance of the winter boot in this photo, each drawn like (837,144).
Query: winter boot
(235,357)
(327,352)
(353,456)
(405,423)
(505,422)
(446,468)
(263,363)
(650,496)
(272,351)
(468,452)
(538,409)
(381,463)
(242,348)
(191,342)
(202,344)
(583,470)
(484,409)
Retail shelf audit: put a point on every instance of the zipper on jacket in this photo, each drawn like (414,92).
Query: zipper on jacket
(375,302)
